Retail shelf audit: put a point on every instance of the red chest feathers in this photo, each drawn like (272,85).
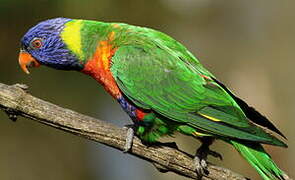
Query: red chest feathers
(98,66)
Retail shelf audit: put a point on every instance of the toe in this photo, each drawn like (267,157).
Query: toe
(129,140)
(201,166)
(215,154)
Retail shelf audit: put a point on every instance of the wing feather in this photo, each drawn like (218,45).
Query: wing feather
(171,82)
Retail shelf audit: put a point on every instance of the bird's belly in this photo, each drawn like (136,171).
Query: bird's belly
(138,115)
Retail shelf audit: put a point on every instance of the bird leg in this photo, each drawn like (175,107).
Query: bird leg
(129,137)
(201,156)
(11,113)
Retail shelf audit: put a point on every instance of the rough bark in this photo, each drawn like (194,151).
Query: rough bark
(15,101)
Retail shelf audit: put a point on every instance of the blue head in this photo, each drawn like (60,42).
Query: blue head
(42,44)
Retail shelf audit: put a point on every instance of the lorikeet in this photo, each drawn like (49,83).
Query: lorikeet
(158,82)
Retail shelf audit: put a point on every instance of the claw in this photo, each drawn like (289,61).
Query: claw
(201,166)
(129,139)
(215,154)
(201,156)
(12,114)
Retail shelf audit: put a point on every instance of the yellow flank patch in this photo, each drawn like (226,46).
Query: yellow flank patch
(198,134)
(209,117)
(72,37)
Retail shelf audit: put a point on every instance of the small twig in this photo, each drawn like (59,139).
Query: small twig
(15,101)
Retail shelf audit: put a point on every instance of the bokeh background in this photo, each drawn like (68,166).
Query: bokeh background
(249,45)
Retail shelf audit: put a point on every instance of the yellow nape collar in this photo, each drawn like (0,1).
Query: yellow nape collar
(71,35)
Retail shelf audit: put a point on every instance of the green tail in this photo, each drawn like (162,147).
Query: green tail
(255,154)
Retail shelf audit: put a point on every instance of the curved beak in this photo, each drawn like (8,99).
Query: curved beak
(26,60)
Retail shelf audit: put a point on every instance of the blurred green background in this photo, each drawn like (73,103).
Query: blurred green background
(249,45)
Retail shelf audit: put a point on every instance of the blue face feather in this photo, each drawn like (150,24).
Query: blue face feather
(43,42)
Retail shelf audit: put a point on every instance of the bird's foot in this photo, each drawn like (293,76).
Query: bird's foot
(215,154)
(129,137)
(11,113)
(202,153)
(201,166)
(200,160)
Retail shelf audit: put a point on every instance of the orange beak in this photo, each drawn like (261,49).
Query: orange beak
(26,60)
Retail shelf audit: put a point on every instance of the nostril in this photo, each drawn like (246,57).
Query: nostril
(31,64)
(36,63)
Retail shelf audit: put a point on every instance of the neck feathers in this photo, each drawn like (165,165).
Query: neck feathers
(71,36)
(93,43)
(98,66)
(82,36)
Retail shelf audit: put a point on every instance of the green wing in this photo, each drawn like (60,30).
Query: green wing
(164,77)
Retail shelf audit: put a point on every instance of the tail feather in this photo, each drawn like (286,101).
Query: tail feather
(255,154)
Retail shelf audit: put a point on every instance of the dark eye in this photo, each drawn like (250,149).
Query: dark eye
(36,43)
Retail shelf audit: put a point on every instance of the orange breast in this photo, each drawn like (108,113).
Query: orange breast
(98,66)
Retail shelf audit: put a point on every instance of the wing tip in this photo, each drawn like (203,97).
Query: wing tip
(251,113)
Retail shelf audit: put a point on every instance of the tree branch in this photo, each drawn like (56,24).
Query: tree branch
(15,101)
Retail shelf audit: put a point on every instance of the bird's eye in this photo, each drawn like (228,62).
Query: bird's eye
(36,43)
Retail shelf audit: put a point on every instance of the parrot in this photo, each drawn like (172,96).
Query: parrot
(159,83)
